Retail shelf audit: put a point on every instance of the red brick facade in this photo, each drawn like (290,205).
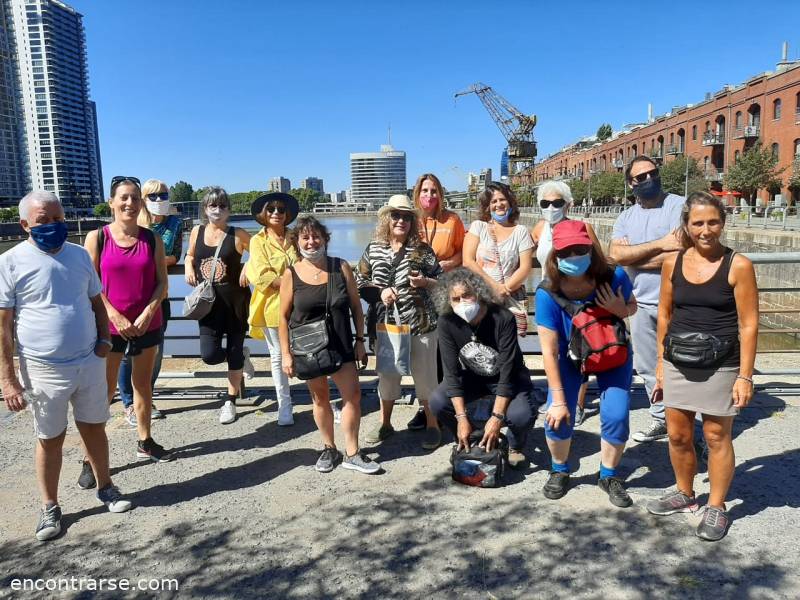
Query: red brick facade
(715,131)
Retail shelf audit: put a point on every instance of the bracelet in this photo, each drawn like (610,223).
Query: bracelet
(557,389)
(558,405)
(461,415)
(359,338)
(745,378)
(105,341)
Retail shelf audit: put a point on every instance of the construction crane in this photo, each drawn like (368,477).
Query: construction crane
(515,126)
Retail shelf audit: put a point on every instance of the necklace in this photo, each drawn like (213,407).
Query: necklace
(319,271)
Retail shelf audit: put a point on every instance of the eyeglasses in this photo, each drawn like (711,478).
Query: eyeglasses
(401,216)
(117,179)
(222,206)
(163,196)
(641,177)
(275,208)
(556,203)
(573,251)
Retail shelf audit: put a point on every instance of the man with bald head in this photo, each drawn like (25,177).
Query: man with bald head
(50,304)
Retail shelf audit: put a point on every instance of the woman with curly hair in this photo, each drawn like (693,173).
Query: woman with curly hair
(398,268)
(481,357)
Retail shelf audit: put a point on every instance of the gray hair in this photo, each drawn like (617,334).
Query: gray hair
(32,199)
(463,277)
(213,195)
(554,187)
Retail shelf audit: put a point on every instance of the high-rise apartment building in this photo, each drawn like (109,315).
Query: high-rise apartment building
(13,172)
(280,184)
(58,122)
(375,176)
(312,183)
(477,182)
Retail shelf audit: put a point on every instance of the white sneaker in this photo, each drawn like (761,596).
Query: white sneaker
(227,413)
(285,416)
(248,369)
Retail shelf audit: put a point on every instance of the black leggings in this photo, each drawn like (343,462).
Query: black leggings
(212,352)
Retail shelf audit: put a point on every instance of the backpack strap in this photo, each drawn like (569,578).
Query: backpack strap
(567,306)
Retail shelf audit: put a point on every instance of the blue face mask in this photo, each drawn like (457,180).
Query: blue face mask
(575,265)
(49,237)
(649,189)
(501,218)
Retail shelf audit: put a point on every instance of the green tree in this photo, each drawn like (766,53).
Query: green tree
(756,169)
(794,180)
(525,196)
(579,189)
(241,201)
(606,186)
(307,198)
(604,132)
(673,176)
(6,215)
(102,210)
(181,192)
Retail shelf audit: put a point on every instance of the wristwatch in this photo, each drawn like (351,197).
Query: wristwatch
(499,416)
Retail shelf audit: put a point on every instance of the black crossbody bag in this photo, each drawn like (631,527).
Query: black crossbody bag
(697,350)
(310,342)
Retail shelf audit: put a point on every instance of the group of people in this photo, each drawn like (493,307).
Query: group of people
(459,293)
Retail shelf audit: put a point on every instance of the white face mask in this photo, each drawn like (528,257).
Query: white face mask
(217,215)
(160,208)
(313,254)
(553,215)
(467,310)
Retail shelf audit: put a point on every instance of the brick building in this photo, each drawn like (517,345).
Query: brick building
(716,131)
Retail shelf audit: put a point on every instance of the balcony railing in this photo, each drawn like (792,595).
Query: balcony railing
(617,163)
(712,174)
(713,139)
(749,131)
(673,150)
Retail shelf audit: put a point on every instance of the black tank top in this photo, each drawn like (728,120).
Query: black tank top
(708,307)
(230,296)
(308,305)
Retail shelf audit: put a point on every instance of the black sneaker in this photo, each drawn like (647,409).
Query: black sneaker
(49,523)
(419,421)
(656,431)
(86,481)
(150,450)
(616,491)
(714,524)
(556,485)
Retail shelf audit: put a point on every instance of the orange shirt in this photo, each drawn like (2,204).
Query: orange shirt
(444,235)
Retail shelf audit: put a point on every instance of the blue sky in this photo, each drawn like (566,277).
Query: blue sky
(233,93)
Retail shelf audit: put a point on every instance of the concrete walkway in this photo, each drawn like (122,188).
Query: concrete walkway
(243,514)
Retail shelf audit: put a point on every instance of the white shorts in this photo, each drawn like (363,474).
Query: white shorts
(423,370)
(55,386)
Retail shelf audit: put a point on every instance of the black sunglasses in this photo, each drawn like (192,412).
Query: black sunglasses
(401,216)
(222,205)
(117,179)
(573,251)
(156,197)
(641,177)
(556,203)
(275,208)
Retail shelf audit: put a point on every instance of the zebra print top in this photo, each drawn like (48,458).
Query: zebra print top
(415,304)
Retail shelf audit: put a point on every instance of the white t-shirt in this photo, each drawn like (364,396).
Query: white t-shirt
(50,294)
(509,249)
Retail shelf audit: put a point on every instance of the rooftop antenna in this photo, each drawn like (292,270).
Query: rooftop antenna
(390,134)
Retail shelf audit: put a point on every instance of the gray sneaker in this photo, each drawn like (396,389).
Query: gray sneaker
(656,431)
(327,460)
(130,417)
(671,503)
(714,524)
(580,415)
(112,498)
(380,434)
(49,523)
(155,413)
(361,463)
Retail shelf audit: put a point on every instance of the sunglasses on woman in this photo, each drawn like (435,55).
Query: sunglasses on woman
(573,251)
(275,208)
(163,196)
(401,216)
(555,203)
(223,206)
(641,177)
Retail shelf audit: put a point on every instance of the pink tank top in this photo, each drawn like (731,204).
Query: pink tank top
(129,277)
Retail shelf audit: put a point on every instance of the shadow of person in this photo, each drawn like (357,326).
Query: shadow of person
(765,482)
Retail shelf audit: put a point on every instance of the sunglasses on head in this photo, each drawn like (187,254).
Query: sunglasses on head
(641,177)
(117,179)
(555,203)
(163,196)
(573,251)
(275,208)
(401,216)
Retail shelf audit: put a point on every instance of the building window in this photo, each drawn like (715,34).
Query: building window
(775,150)
(797,148)
(694,132)
(776,109)
(736,157)
(738,120)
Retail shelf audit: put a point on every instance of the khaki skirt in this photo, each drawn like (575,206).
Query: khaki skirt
(706,391)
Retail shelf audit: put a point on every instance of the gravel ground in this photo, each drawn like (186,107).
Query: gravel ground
(242,513)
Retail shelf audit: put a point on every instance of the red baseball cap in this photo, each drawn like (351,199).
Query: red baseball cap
(570,233)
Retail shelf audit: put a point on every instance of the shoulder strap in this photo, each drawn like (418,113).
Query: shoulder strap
(216,256)
(331,269)
(101,243)
(568,307)
(496,249)
(150,238)
(398,258)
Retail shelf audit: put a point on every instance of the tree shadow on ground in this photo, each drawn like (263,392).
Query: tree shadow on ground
(481,544)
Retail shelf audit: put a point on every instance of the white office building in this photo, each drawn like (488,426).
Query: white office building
(375,176)
(280,184)
(59,141)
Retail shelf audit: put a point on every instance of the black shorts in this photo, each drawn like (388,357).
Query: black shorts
(134,346)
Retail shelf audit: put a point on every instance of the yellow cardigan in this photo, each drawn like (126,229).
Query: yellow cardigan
(267,263)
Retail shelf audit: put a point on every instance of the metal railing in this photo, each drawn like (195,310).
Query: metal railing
(713,139)
(748,131)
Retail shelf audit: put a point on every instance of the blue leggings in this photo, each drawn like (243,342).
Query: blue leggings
(615,401)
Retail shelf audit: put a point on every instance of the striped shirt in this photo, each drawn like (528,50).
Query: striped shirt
(415,304)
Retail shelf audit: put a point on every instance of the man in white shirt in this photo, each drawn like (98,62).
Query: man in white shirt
(50,302)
